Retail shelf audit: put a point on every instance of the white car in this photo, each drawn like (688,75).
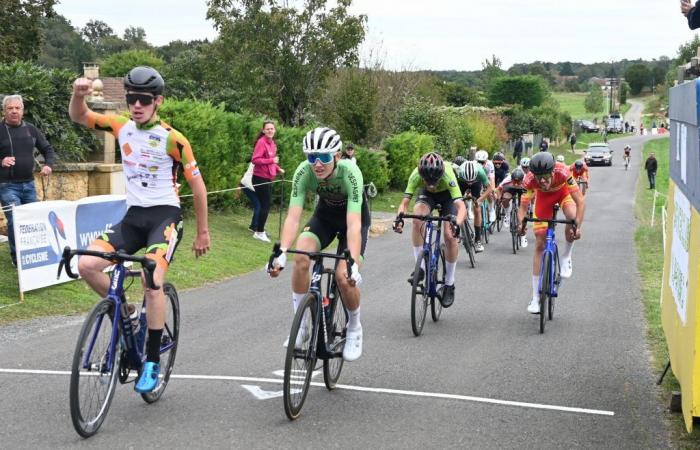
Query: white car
(598,153)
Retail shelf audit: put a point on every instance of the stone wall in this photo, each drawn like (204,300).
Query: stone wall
(76,181)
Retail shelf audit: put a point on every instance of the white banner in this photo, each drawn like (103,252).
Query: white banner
(43,229)
(678,278)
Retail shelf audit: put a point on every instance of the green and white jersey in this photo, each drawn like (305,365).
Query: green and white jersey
(341,192)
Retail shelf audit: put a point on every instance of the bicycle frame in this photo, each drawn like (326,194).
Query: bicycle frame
(432,249)
(550,247)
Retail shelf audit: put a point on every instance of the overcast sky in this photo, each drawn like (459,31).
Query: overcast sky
(448,34)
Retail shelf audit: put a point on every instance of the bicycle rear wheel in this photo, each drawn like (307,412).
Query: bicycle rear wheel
(435,305)
(419,295)
(301,357)
(168,342)
(336,340)
(485,225)
(555,280)
(499,217)
(92,380)
(545,288)
(514,235)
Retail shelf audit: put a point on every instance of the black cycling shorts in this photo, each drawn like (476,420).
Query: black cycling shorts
(432,199)
(325,226)
(157,228)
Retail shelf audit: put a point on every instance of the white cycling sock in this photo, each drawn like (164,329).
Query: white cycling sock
(535,287)
(416,252)
(450,272)
(354,319)
(568,249)
(296,299)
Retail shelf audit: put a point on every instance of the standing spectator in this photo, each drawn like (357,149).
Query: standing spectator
(650,166)
(248,189)
(544,145)
(17,141)
(692,13)
(266,169)
(641,129)
(572,140)
(627,127)
(518,149)
(349,153)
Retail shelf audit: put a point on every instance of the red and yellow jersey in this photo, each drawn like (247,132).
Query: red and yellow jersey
(151,155)
(561,179)
(579,173)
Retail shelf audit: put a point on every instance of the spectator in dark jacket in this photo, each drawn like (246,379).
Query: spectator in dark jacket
(692,13)
(518,150)
(17,142)
(544,145)
(651,165)
(572,141)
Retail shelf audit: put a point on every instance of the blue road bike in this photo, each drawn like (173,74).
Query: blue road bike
(550,278)
(110,347)
(427,289)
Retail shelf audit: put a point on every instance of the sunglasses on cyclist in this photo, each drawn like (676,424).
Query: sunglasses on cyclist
(144,99)
(325,158)
(545,176)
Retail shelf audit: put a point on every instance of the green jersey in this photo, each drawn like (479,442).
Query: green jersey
(448,182)
(342,191)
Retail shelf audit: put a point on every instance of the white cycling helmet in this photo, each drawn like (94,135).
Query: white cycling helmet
(560,158)
(322,140)
(481,156)
(525,162)
(469,169)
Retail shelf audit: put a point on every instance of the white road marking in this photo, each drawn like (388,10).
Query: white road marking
(467,398)
(262,394)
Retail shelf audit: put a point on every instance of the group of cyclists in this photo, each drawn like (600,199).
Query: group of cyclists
(152,152)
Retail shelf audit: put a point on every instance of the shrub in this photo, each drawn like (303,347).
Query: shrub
(119,64)
(526,90)
(403,153)
(46,95)
(485,133)
(374,167)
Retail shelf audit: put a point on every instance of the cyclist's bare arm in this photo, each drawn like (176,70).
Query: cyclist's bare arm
(461,211)
(202,240)
(485,195)
(289,232)
(403,206)
(78,110)
(580,201)
(354,235)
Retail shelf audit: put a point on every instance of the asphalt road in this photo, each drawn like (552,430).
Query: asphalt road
(482,377)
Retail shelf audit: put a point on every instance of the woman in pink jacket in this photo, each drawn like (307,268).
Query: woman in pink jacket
(266,169)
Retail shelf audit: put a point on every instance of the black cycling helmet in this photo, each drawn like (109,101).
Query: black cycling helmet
(499,157)
(517,174)
(144,79)
(431,167)
(459,160)
(542,163)
(578,164)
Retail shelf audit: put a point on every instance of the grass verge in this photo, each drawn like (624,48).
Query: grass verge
(650,261)
(233,252)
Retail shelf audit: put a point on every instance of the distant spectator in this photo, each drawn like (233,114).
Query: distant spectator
(650,166)
(17,141)
(518,149)
(349,153)
(572,141)
(266,169)
(627,127)
(641,129)
(692,13)
(544,146)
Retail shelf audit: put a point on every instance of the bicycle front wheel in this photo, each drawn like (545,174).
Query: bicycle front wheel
(336,341)
(168,342)
(514,235)
(94,370)
(301,357)
(468,241)
(499,217)
(545,288)
(435,305)
(419,295)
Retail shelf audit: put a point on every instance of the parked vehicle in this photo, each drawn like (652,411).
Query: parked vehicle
(587,126)
(614,123)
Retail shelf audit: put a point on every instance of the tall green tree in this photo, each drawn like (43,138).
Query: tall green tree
(103,39)
(638,77)
(491,71)
(20,28)
(136,38)
(526,90)
(63,46)
(286,53)
(594,100)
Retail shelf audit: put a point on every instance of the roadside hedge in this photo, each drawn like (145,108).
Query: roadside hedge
(403,153)
(374,167)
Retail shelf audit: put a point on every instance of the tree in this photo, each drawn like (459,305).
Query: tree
(594,100)
(276,50)
(566,70)
(638,76)
(119,64)
(20,28)
(491,71)
(526,90)
(622,92)
(63,46)
(101,36)
(136,37)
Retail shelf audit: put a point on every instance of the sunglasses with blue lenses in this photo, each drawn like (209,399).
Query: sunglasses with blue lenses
(325,158)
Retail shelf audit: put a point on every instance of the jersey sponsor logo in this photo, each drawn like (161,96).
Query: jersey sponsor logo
(154,137)
(153,169)
(355,194)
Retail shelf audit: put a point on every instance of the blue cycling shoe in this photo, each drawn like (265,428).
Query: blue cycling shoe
(148,379)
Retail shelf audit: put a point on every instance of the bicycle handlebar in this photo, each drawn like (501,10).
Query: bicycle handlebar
(571,222)
(277,251)
(149,265)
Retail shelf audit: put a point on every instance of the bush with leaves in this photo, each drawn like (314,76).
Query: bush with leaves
(119,64)
(403,153)
(526,90)
(46,94)
(374,166)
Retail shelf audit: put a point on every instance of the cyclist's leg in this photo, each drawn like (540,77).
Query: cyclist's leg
(544,203)
(123,236)
(424,205)
(569,208)
(476,193)
(308,241)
